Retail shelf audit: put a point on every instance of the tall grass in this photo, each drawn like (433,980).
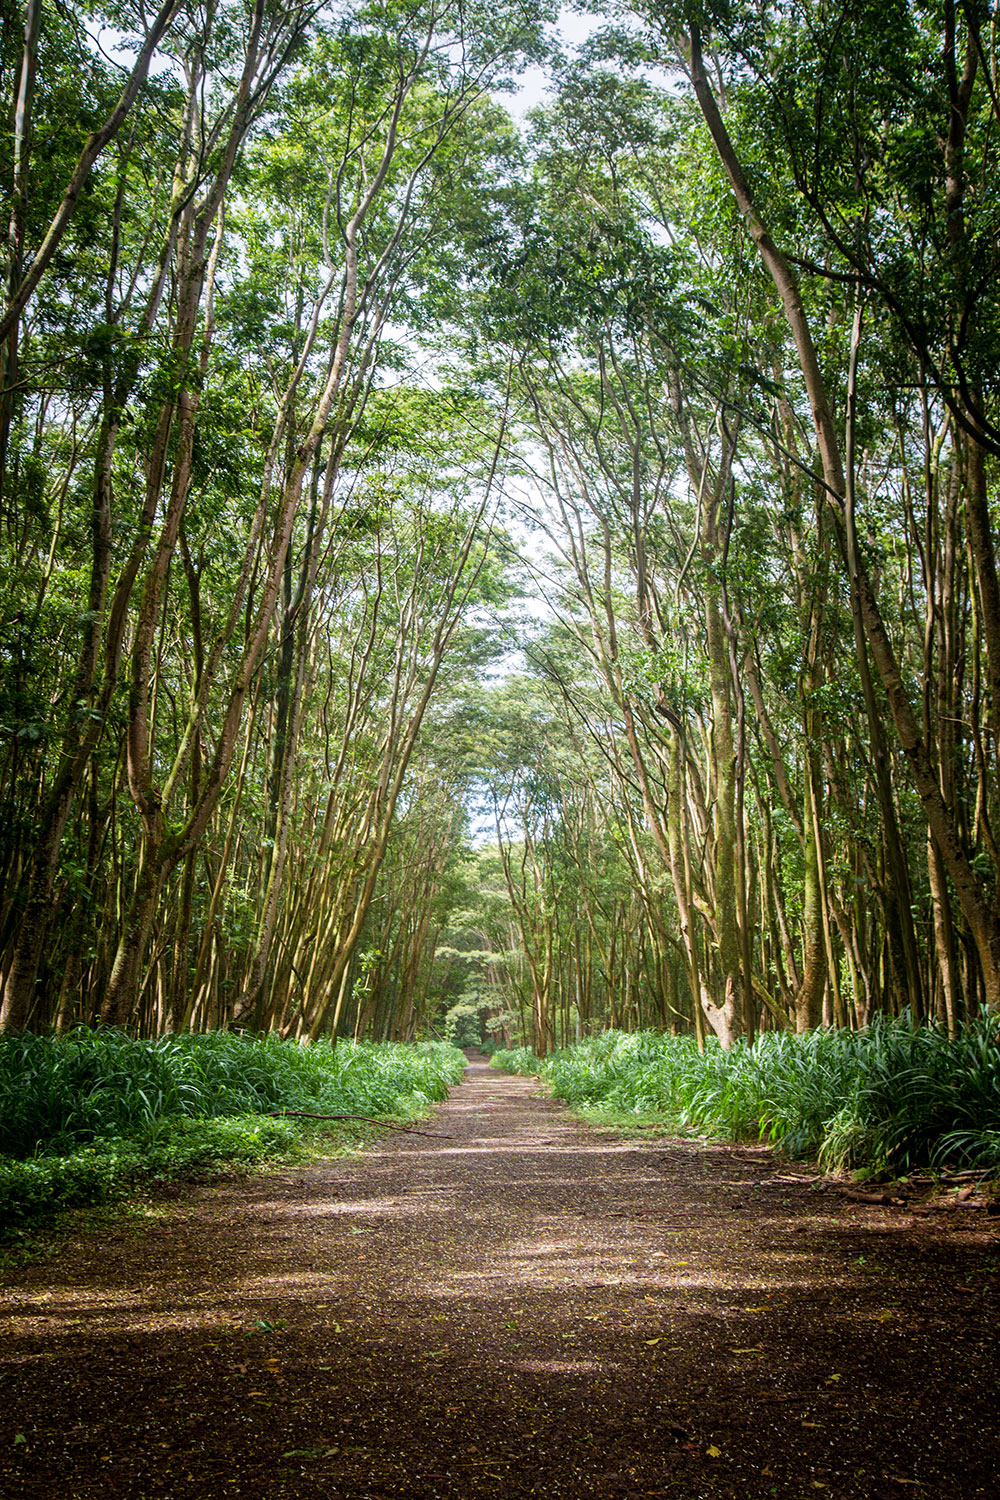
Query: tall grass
(83,1115)
(61,1092)
(892,1098)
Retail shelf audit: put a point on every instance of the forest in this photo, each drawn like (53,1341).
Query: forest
(499,667)
(492,577)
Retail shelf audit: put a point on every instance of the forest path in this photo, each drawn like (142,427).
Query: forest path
(521,1306)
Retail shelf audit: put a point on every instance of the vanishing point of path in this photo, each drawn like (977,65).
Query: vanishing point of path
(513,1305)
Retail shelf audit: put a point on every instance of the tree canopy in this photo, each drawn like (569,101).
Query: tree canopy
(502,578)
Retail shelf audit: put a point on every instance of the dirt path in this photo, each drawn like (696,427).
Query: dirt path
(521,1307)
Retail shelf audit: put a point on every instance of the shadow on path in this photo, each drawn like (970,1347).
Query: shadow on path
(519,1307)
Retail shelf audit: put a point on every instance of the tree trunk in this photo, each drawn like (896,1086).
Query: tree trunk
(983,919)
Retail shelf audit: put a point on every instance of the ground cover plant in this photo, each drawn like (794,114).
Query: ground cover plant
(84,1116)
(891,1098)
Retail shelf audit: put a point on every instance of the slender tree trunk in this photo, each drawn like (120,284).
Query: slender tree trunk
(983,919)
(809,997)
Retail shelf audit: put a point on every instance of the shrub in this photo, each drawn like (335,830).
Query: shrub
(891,1098)
(516,1060)
(57,1093)
(83,1117)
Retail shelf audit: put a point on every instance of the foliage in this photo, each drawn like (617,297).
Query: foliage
(304,373)
(63,1092)
(86,1115)
(39,1187)
(891,1098)
(518,1060)
(462,1024)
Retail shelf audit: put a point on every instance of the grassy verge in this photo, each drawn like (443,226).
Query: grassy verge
(892,1099)
(87,1119)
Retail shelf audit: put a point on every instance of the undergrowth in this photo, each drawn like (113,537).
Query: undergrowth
(893,1098)
(86,1117)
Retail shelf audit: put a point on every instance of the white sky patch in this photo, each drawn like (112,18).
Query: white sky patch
(535,84)
(121,47)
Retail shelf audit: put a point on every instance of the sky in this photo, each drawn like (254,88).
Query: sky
(571,30)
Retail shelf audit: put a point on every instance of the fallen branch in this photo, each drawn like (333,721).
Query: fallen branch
(305,1114)
(783,1180)
(856,1195)
(983,1174)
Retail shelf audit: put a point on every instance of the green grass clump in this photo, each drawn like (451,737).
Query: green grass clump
(892,1098)
(35,1189)
(516,1060)
(85,1116)
(57,1093)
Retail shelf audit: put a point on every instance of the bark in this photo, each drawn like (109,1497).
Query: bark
(809,996)
(162,851)
(980,531)
(728,1020)
(899,896)
(677,858)
(106,623)
(942,669)
(983,920)
(9,340)
(730,1017)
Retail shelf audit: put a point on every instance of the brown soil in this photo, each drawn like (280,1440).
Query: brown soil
(522,1307)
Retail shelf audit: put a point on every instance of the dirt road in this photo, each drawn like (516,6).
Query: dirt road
(515,1306)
